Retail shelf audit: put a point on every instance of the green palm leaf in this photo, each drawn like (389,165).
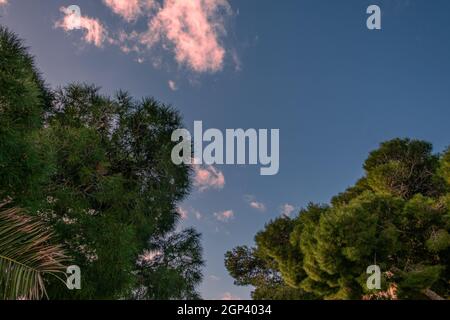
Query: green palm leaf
(26,256)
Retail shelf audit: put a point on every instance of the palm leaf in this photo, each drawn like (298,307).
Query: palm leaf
(26,256)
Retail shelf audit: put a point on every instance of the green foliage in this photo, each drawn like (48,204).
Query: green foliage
(114,187)
(438,241)
(23,101)
(171,267)
(98,170)
(413,282)
(275,243)
(404,167)
(444,170)
(250,266)
(396,216)
(23,96)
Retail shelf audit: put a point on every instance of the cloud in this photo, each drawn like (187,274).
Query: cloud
(130,10)
(197,215)
(192,29)
(255,204)
(229,296)
(287,209)
(258,205)
(126,41)
(208,177)
(3,2)
(224,216)
(183,213)
(173,85)
(95,32)
(236,60)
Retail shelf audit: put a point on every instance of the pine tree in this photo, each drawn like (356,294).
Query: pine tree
(115,186)
(23,101)
(97,170)
(397,216)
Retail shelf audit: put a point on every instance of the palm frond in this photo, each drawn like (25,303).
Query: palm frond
(26,256)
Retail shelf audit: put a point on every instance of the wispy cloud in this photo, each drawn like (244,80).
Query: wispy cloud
(197,214)
(224,216)
(287,209)
(213,278)
(257,205)
(94,31)
(173,85)
(193,31)
(126,41)
(236,60)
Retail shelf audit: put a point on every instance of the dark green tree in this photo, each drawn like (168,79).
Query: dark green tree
(251,267)
(171,267)
(98,170)
(397,216)
(23,102)
(444,169)
(115,186)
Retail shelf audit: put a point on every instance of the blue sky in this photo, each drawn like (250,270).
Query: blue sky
(310,68)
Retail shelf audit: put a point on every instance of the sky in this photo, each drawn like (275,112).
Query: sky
(310,68)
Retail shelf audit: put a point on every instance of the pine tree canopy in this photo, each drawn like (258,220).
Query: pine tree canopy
(397,217)
(97,170)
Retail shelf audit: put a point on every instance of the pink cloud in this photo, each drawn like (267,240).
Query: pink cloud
(183,213)
(126,41)
(95,32)
(3,2)
(208,177)
(224,216)
(192,28)
(287,209)
(130,10)
(254,203)
(258,205)
(229,296)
